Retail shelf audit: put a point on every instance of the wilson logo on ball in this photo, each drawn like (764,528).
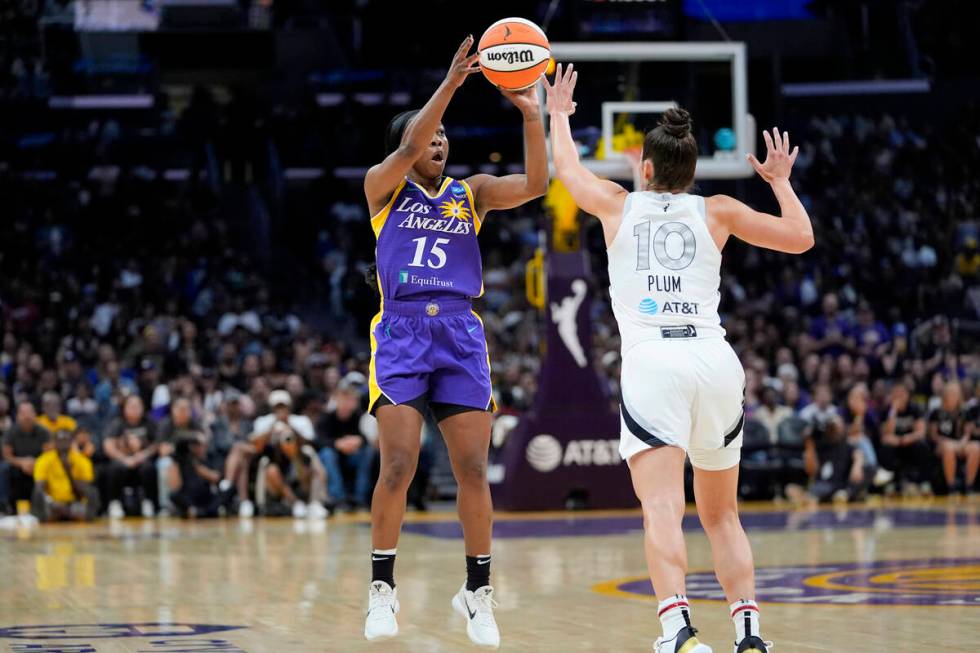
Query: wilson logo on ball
(511,56)
(514,53)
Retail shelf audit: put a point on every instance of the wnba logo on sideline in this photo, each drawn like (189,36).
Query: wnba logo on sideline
(545,453)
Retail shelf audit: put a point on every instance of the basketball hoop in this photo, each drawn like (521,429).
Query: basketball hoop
(635,155)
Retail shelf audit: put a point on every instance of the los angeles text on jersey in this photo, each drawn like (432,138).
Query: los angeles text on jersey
(417,218)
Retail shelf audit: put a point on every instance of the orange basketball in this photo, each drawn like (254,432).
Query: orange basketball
(513,53)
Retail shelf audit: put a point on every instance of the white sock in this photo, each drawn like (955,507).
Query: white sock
(745,616)
(675,614)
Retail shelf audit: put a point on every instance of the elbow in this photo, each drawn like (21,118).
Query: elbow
(803,244)
(537,188)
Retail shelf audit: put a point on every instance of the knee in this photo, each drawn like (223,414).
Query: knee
(328,456)
(973,449)
(273,474)
(714,519)
(397,469)
(660,512)
(472,471)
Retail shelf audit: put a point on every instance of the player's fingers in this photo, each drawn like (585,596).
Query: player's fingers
(472,59)
(571,85)
(557,74)
(792,157)
(768,139)
(755,162)
(463,47)
(569,72)
(786,141)
(776,139)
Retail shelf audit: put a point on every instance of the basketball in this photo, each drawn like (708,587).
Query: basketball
(514,52)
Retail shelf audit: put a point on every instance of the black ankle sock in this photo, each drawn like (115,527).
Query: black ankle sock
(477,572)
(383,567)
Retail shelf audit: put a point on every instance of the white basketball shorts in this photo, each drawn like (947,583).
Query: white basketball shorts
(687,393)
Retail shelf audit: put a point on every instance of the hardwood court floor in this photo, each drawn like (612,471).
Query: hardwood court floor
(898,578)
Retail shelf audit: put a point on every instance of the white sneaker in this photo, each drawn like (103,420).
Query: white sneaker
(246,509)
(685,641)
(753,645)
(883,477)
(299,510)
(477,608)
(316,511)
(146,507)
(116,510)
(383,605)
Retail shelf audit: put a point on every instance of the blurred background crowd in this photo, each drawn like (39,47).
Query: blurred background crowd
(184,316)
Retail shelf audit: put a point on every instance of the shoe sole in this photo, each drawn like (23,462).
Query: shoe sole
(694,646)
(378,638)
(461,611)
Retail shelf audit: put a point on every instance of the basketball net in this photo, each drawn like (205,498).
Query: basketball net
(634,154)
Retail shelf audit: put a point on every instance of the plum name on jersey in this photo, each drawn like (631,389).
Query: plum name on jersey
(417,219)
(663,283)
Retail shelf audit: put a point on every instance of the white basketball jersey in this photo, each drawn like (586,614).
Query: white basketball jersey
(664,269)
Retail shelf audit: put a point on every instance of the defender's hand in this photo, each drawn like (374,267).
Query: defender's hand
(560,91)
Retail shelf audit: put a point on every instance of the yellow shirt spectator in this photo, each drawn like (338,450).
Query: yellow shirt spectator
(49,468)
(63,423)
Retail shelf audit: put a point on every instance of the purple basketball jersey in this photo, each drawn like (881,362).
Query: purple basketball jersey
(427,246)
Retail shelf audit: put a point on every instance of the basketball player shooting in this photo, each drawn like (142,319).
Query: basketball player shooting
(682,384)
(428,347)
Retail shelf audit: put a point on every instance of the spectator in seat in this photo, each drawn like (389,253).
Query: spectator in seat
(841,472)
(130,445)
(904,447)
(5,421)
(861,429)
(771,413)
(177,426)
(22,445)
(952,440)
(822,420)
(344,447)
(295,474)
(51,418)
(192,484)
(63,488)
(230,426)
(831,331)
(83,407)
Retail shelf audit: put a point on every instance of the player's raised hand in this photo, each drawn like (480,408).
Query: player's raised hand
(463,65)
(779,160)
(560,91)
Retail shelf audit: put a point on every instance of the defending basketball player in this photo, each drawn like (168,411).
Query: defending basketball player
(682,384)
(428,346)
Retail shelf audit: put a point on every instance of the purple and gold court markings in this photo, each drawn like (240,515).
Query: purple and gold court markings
(940,581)
(579,526)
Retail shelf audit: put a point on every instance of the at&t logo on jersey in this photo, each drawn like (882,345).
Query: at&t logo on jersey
(648,306)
